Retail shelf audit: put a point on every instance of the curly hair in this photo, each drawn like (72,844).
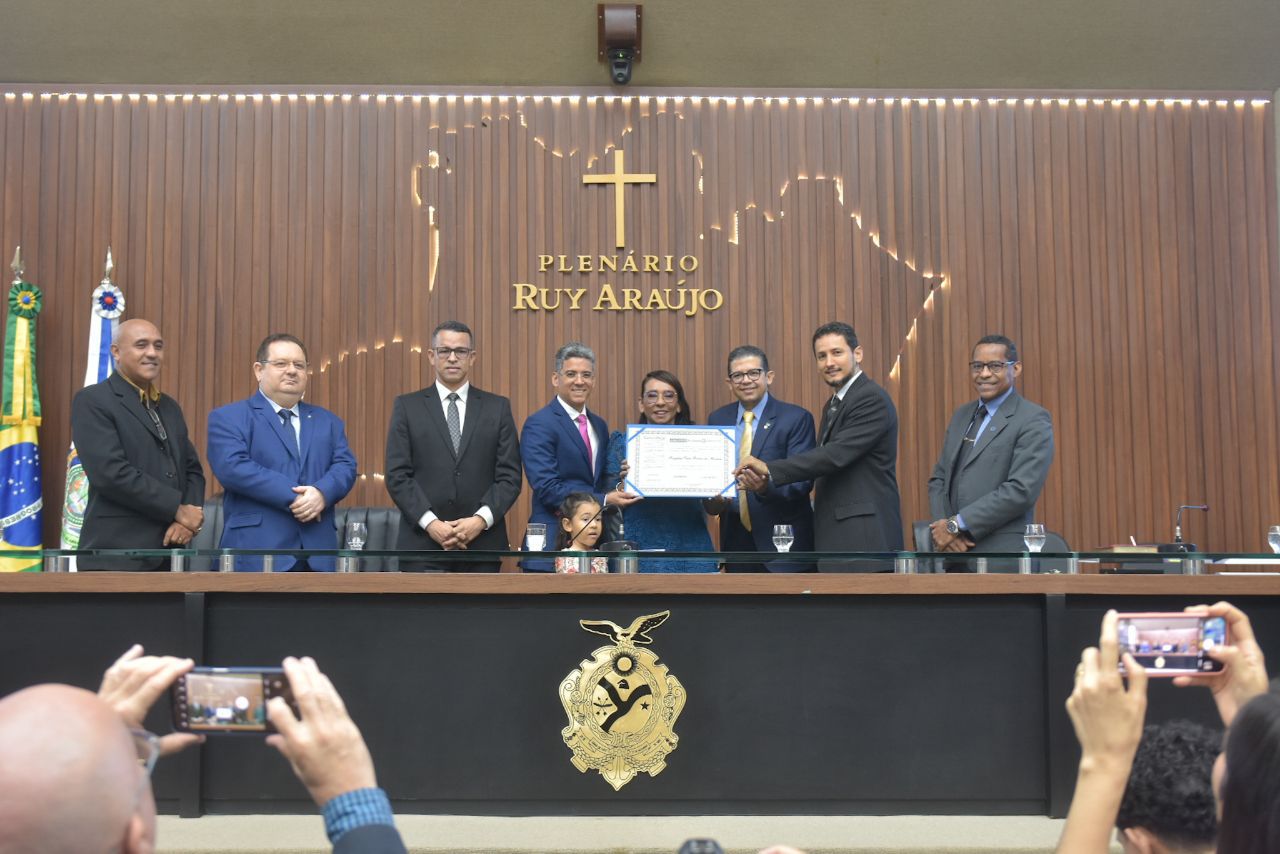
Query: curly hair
(1170,790)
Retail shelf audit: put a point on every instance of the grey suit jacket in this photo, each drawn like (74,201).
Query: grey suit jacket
(1000,481)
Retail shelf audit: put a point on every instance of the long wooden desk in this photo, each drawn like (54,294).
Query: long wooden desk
(806,693)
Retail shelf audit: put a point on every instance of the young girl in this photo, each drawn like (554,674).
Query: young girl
(580,529)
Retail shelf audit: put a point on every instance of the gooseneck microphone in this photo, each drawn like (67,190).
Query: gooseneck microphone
(1177,519)
(603,507)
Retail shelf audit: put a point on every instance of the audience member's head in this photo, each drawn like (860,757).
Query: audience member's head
(1168,804)
(70,780)
(1248,780)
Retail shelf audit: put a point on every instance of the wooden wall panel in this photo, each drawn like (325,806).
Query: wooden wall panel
(1128,245)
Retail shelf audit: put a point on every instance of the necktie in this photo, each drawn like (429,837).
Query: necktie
(966,448)
(586,438)
(827,415)
(286,418)
(744,451)
(455,421)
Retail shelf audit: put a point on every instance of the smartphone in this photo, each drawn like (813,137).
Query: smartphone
(1174,644)
(228,699)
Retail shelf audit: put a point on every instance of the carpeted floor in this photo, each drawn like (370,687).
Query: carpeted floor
(659,835)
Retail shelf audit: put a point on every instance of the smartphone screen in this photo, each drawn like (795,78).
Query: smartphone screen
(228,699)
(1172,644)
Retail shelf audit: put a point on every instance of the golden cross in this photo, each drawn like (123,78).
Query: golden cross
(618,179)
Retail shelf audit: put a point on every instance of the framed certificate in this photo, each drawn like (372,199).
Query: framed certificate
(681,460)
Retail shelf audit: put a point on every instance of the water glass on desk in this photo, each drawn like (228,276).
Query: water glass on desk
(783,537)
(357,535)
(535,536)
(1273,538)
(1034,537)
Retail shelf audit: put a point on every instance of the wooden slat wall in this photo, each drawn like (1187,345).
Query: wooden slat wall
(1128,245)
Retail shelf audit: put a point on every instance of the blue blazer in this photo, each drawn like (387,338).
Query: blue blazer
(556,464)
(258,463)
(783,430)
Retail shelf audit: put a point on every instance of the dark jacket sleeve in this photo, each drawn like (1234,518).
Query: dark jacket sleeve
(508,473)
(370,839)
(856,434)
(400,482)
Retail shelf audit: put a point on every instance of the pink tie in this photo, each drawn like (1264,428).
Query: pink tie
(586,437)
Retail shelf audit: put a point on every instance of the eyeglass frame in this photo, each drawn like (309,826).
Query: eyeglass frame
(653,395)
(460,352)
(749,375)
(285,364)
(996,368)
(152,741)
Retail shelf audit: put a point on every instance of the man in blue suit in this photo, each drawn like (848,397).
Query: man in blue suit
(773,430)
(563,446)
(283,463)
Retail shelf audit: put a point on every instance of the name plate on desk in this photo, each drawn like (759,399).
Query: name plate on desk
(681,461)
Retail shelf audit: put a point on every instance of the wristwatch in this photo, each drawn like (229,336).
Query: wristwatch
(953,527)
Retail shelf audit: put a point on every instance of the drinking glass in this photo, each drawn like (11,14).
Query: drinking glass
(1034,537)
(535,536)
(783,537)
(357,535)
(1273,538)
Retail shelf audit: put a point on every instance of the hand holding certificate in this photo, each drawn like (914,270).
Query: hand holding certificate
(681,461)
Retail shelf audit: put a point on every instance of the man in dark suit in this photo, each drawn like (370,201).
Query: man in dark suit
(284,463)
(146,485)
(768,429)
(856,504)
(564,445)
(453,460)
(994,461)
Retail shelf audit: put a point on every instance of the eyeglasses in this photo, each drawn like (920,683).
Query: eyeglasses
(586,376)
(155,419)
(282,365)
(460,352)
(993,367)
(739,377)
(655,396)
(148,746)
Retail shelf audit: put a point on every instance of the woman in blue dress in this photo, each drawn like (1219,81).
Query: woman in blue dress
(673,524)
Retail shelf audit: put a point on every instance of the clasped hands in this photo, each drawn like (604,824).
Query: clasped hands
(456,535)
(186,524)
(945,541)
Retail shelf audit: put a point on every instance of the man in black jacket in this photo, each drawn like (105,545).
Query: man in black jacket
(146,484)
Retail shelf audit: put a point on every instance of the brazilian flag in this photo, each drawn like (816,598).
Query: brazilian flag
(20,502)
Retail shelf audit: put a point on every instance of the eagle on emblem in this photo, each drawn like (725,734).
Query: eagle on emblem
(637,632)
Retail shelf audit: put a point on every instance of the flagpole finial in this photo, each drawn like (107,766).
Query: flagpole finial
(110,267)
(17,266)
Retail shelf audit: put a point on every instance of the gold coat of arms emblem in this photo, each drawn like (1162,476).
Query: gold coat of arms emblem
(622,704)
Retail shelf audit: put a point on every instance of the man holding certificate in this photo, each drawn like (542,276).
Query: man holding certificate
(766,429)
(856,502)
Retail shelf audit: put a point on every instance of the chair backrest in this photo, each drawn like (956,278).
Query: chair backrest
(921,536)
(382,525)
(209,537)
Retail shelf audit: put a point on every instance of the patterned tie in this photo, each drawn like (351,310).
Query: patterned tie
(455,422)
(586,438)
(286,418)
(744,451)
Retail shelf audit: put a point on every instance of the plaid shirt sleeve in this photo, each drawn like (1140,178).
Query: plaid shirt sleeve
(354,809)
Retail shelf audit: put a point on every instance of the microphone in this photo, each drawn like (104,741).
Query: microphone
(1177,521)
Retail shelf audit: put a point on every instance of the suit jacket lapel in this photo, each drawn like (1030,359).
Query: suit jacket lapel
(306,429)
(435,417)
(268,414)
(998,422)
(130,400)
(831,415)
(760,430)
(570,427)
(475,411)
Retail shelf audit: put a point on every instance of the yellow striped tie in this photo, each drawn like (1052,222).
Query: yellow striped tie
(744,451)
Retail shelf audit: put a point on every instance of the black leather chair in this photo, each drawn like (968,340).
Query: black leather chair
(1053,542)
(381,523)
